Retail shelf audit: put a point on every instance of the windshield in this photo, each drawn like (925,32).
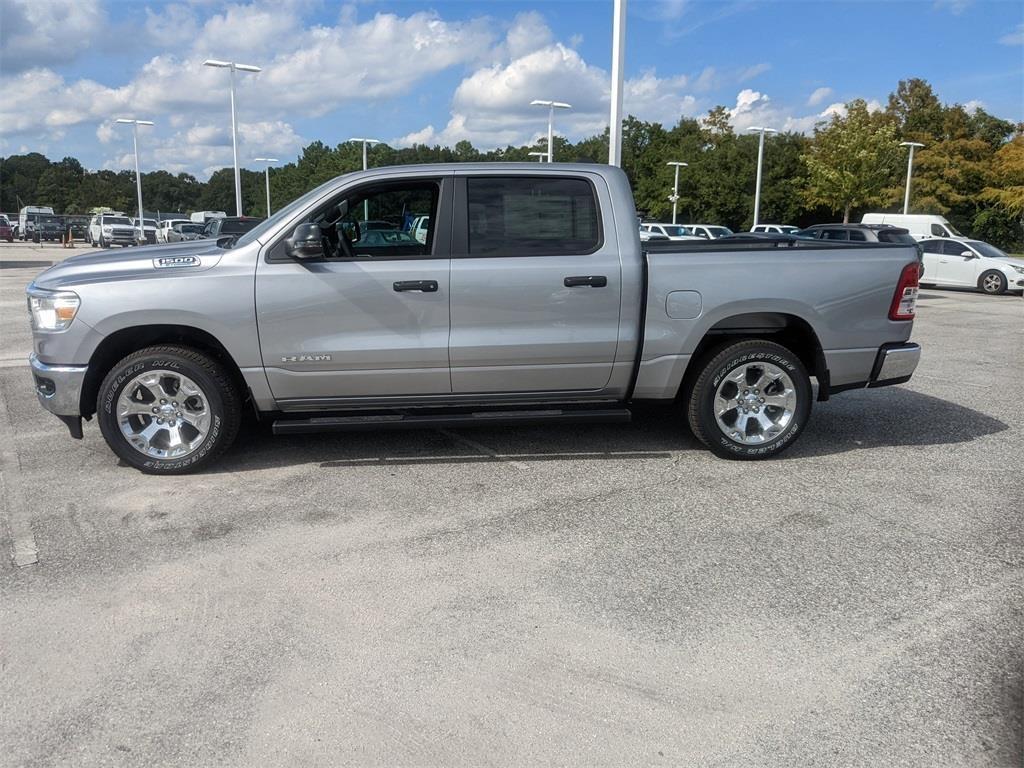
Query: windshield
(285,213)
(985,249)
(148,223)
(238,227)
(184,228)
(719,231)
(116,220)
(788,229)
(675,231)
(889,236)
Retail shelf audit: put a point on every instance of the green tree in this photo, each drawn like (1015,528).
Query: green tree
(852,159)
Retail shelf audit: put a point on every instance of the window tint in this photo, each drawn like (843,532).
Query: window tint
(888,236)
(522,216)
(939,231)
(857,235)
(932,246)
(238,227)
(954,248)
(834,234)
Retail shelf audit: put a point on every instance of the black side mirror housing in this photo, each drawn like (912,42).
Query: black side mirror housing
(306,242)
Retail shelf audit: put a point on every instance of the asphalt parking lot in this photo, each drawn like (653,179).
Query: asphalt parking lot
(592,595)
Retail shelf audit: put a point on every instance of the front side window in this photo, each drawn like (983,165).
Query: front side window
(532,216)
(379,220)
(834,234)
(955,248)
(939,231)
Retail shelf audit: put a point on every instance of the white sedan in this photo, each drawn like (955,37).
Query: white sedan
(671,231)
(972,264)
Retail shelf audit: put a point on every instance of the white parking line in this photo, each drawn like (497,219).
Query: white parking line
(14,514)
(483,449)
(14,362)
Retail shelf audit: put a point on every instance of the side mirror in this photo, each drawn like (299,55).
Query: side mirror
(968,254)
(306,242)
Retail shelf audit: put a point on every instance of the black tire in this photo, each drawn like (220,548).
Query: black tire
(700,398)
(221,395)
(992,282)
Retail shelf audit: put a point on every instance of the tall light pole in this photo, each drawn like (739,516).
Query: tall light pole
(551,105)
(910,169)
(232,66)
(266,171)
(539,155)
(138,178)
(618,53)
(675,187)
(366,143)
(760,165)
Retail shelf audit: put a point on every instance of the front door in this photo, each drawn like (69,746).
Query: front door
(535,286)
(955,268)
(373,324)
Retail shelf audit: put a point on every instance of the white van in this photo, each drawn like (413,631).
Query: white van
(921,226)
(27,219)
(201,217)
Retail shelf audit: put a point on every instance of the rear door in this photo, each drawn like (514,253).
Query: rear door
(535,285)
(370,326)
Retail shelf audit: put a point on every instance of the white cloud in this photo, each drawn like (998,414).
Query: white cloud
(45,33)
(314,71)
(956,7)
(751,72)
(1014,38)
(818,96)
(974,105)
(174,25)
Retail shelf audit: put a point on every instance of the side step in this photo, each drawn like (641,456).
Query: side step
(453,420)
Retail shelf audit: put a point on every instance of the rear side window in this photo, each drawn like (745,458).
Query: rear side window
(858,236)
(527,216)
(834,234)
(932,246)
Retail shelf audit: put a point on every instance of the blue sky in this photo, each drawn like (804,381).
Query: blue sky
(440,72)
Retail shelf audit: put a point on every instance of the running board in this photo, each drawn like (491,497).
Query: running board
(454,420)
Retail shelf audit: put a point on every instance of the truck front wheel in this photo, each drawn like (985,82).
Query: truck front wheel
(168,410)
(750,400)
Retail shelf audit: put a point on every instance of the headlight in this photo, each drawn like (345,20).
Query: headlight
(1019,269)
(52,310)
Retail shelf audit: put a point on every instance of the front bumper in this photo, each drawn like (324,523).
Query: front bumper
(58,387)
(895,364)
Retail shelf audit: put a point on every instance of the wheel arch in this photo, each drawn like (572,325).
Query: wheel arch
(123,342)
(789,330)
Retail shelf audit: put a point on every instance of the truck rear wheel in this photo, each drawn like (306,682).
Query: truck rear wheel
(168,410)
(750,400)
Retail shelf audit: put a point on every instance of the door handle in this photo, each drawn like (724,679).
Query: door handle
(594,281)
(425,286)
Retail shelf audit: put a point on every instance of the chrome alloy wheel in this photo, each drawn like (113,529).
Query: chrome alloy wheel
(163,414)
(754,403)
(992,283)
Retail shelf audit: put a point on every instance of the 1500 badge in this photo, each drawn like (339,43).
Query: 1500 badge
(305,358)
(176,261)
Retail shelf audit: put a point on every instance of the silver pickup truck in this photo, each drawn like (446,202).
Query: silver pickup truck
(530,301)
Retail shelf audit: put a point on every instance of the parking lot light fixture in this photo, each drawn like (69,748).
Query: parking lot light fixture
(552,106)
(138,178)
(760,165)
(539,155)
(910,170)
(231,66)
(675,187)
(266,173)
(366,143)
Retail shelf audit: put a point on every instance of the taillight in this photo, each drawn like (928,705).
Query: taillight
(904,302)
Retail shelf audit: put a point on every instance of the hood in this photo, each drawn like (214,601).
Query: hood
(144,261)
(1006,260)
